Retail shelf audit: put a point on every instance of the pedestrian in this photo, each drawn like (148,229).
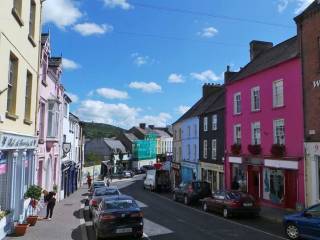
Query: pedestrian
(108,182)
(89,180)
(50,205)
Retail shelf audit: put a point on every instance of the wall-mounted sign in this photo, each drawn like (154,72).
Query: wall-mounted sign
(66,147)
(12,141)
(316,84)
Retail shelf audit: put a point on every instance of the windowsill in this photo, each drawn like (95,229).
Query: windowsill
(278,107)
(11,116)
(255,111)
(237,114)
(44,83)
(31,40)
(26,121)
(17,16)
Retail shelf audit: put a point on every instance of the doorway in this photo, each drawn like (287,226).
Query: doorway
(254,181)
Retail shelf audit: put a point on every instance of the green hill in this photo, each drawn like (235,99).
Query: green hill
(100,130)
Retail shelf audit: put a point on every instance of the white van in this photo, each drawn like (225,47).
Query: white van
(157,180)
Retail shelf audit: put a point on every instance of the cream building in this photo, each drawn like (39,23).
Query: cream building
(19,64)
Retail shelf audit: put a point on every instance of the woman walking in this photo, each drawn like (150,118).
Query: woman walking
(51,202)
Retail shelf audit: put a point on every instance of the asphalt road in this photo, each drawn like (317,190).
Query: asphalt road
(166,219)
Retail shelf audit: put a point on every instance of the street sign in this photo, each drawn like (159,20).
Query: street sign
(66,147)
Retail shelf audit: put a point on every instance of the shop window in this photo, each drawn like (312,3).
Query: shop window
(205,124)
(273,185)
(255,99)
(237,134)
(279,131)
(255,133)
(278,93)
(214,122)
(4,204)
(237,103)
(239,178)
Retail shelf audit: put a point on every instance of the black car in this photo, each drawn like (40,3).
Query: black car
(192,192)
(118,216)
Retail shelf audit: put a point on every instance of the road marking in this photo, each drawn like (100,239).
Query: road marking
(82,221)
(141,204)
(220,218)
(154,229)
(146,236)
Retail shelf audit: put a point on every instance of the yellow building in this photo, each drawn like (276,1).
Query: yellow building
(19,64)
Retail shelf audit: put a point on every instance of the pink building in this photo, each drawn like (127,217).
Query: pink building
(264,125)
(49,123)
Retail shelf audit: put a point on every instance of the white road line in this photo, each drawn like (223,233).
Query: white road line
(220,218)
(146,236)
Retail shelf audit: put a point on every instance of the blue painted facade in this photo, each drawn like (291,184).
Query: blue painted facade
(190,149)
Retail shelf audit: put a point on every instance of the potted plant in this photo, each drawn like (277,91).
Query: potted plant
(33,192)
(278,150)
(254,149)
(21,228)
(236,149)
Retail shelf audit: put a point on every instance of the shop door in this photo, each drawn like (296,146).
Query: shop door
(254,181)
(290,189)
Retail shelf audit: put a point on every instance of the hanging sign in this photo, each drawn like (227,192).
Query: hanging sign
(66,147)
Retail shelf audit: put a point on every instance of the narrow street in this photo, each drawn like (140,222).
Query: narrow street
(166,219)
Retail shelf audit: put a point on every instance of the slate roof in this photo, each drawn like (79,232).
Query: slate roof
(162,133)
(280,53)
(217,102)
(130,136)
(115,144)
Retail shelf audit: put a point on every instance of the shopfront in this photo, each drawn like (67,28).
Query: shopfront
(175,174)
(213,174)
(189,171)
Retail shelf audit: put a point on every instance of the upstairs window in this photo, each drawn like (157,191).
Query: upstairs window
(53,119)
(255,133)
(205,124)
(237,134)
(42,120)
(214,148)
(28,96)
(17,6)
(278,93)
(214,122)
(205,149)
(279,131)
(189,152)
(237,103)
(32,19)
(255,99)
(12,84)
(65,110)
(189,131)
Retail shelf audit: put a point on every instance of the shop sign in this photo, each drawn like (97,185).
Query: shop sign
(188,165)
(10,141)
(213,167)
(3,168)
(281,164)
(255,161)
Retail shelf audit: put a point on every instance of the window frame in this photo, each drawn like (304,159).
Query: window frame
(254,97)
(12,84)
(215,122)
(32,19)
(205,124)
(237,103)
(28,96)
(214,149)
(54,113)
(255,125)
(235,137)
(205,149)
(275,131)
(275,95)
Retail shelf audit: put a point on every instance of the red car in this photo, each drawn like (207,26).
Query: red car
(231,203)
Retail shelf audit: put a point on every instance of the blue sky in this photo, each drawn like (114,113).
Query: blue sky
(127,61)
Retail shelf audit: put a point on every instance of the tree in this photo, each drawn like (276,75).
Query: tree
(92,159)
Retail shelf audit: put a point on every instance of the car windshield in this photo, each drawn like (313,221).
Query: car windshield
(120,204)
(237,195)
(106,192)
(99,184)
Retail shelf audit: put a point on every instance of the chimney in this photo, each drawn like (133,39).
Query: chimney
(257,47)
(208,89)
(228,75)
(151,126)
(142,125)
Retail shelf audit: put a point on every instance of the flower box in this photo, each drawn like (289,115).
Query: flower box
(278,150)
(254,149)
(236,149)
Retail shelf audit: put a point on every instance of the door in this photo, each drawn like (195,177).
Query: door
(254,181)
(291,189)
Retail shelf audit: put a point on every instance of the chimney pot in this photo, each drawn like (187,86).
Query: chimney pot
(142,125)
(257,47)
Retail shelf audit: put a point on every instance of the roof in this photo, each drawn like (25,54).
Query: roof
(115,144)
(191,112)
(130,136)
(313,7)
(162,133)
(55,61)
(280,53)
(217,102)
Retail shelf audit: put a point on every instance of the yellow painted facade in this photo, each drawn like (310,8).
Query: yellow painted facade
(14,39)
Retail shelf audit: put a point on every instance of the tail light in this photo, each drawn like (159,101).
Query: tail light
(107,217)
(235,204)
(190,189)
(138,214)
(93,203)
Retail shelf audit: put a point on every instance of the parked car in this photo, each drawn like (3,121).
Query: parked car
(138,171)
(157,180)
(231,203)
(118,175)
(305,224)
(94,186)
(127,174)
(98,195)
(118,216)
(145,168)
(192,192)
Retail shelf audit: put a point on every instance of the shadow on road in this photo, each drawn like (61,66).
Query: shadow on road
(76,233)
(77,214)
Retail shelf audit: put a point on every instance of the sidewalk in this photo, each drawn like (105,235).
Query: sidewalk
(65,223)
(274,214)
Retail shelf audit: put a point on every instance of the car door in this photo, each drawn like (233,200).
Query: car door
(310,223)
(215,201)
(219,201)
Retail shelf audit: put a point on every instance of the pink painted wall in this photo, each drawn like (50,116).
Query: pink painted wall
(292,112)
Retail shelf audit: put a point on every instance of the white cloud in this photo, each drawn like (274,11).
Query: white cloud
(302,4)
(182,109)
(282,5)
(208,32)
(175,78)
(149,87)
(111,93)
(73,97)
(206,76)
(87,29)
(120,114)
(118,3)
(140,60)
(62,13)
(69,64)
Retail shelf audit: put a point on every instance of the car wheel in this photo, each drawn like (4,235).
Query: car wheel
(186,200)
(226,213)
(292,231)
(174,197)
(205,207)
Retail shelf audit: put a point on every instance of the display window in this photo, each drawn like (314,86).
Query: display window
(239,177)
(273,185)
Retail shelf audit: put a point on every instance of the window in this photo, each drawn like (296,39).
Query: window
(189,131)
(195,130)
(205,149)
(205,124)
(237,103)
(12,84)
(41,123)
(189,152)
(28,96)
(17,7)
(53,119)
(195,151)
(214,122)
(278,131)
(65,110)
(278,93)
(32,20)
(255,133)
(237,134)
(175,133)
(180,133)
(255,99)
(44,68)
(214,148)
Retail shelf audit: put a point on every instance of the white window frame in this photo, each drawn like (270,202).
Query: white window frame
(205,149)
(53,127)
(255,99)
(214,122)
(195,151)
(205,124)
(236,134)
(214,149)
(189,151)
(237,103)
(256,133)
(278,94)
(277,125)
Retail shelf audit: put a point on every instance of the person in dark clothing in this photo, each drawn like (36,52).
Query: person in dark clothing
(51,202)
